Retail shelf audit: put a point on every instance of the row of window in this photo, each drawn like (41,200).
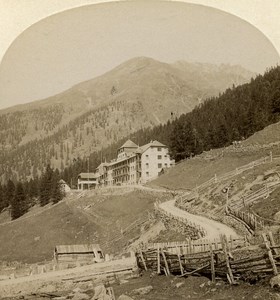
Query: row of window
(159,156)
(159,165)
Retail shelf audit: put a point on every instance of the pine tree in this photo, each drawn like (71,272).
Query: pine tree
(10,191)
(18,203)
(45,193)
(2,199)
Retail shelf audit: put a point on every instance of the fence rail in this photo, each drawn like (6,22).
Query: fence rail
(222,263)
(197,246)
(252,197)
(252,221)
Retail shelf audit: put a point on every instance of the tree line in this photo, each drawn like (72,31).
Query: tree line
(18,197)
(234,115)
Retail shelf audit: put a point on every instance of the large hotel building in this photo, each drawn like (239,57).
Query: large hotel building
(133,165)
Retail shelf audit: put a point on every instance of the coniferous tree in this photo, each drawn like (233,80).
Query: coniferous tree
(10,191)
(46,183)
(18,203)
(2,199)
(33,188)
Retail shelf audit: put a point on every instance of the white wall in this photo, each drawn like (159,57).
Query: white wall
(153,161)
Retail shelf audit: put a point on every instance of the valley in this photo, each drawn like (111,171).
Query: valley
(86,215)
(219,202)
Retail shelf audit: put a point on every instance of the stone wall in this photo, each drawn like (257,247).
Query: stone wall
(191,231)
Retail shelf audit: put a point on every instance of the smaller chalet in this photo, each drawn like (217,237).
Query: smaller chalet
(82,254)
(87,181)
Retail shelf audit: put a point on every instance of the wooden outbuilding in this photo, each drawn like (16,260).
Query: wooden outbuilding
(78,254)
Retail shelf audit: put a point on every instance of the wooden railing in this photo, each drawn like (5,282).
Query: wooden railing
(197,246)
(251,220)
(263,192)
(212,262)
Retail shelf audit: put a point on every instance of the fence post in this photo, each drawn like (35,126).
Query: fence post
(266,242)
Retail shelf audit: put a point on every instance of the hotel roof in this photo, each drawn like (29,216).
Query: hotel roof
(151,144)
(129,144)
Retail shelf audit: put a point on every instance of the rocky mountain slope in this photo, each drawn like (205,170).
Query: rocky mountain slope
(139,93)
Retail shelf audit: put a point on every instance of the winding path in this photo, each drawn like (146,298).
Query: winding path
(212,228)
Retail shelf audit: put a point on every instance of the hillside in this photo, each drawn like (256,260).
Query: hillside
(139,93)
(101,215)
(192,172)
(80,219)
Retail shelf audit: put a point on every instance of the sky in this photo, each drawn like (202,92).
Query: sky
(16,16)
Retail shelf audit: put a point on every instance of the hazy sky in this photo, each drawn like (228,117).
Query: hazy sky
(16,16)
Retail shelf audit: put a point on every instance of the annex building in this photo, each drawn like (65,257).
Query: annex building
(133,165)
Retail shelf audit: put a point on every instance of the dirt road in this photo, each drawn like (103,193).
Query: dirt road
(212,228)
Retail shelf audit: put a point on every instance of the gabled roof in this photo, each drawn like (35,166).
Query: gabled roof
(143,148)
(129,144)
(87,248)
(88,175)
(104,164)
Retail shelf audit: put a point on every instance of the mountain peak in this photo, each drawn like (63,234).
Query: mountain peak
(137,63)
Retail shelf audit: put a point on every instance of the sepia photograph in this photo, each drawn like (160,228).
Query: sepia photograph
(139,149)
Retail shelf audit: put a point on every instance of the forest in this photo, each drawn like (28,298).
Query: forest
(18,197)
(234,115)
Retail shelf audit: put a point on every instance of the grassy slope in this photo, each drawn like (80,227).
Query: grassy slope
(192,172)
(33,238)
(58,225)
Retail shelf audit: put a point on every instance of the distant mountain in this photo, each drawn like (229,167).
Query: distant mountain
(139,93)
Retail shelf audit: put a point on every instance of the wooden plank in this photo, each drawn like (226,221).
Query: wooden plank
(212,264)
(180,264)
(165,262)
(272,243)
(195,271)
(143,260)
(225,249)
(158,261)
(270,256)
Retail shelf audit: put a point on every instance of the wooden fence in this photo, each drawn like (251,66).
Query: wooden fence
(233,173)
(214,262)
(252,197)
(252,221)
(197,246)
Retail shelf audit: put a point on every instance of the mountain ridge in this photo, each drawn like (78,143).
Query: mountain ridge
(139,93)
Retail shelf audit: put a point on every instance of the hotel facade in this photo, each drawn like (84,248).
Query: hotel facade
(133,165)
